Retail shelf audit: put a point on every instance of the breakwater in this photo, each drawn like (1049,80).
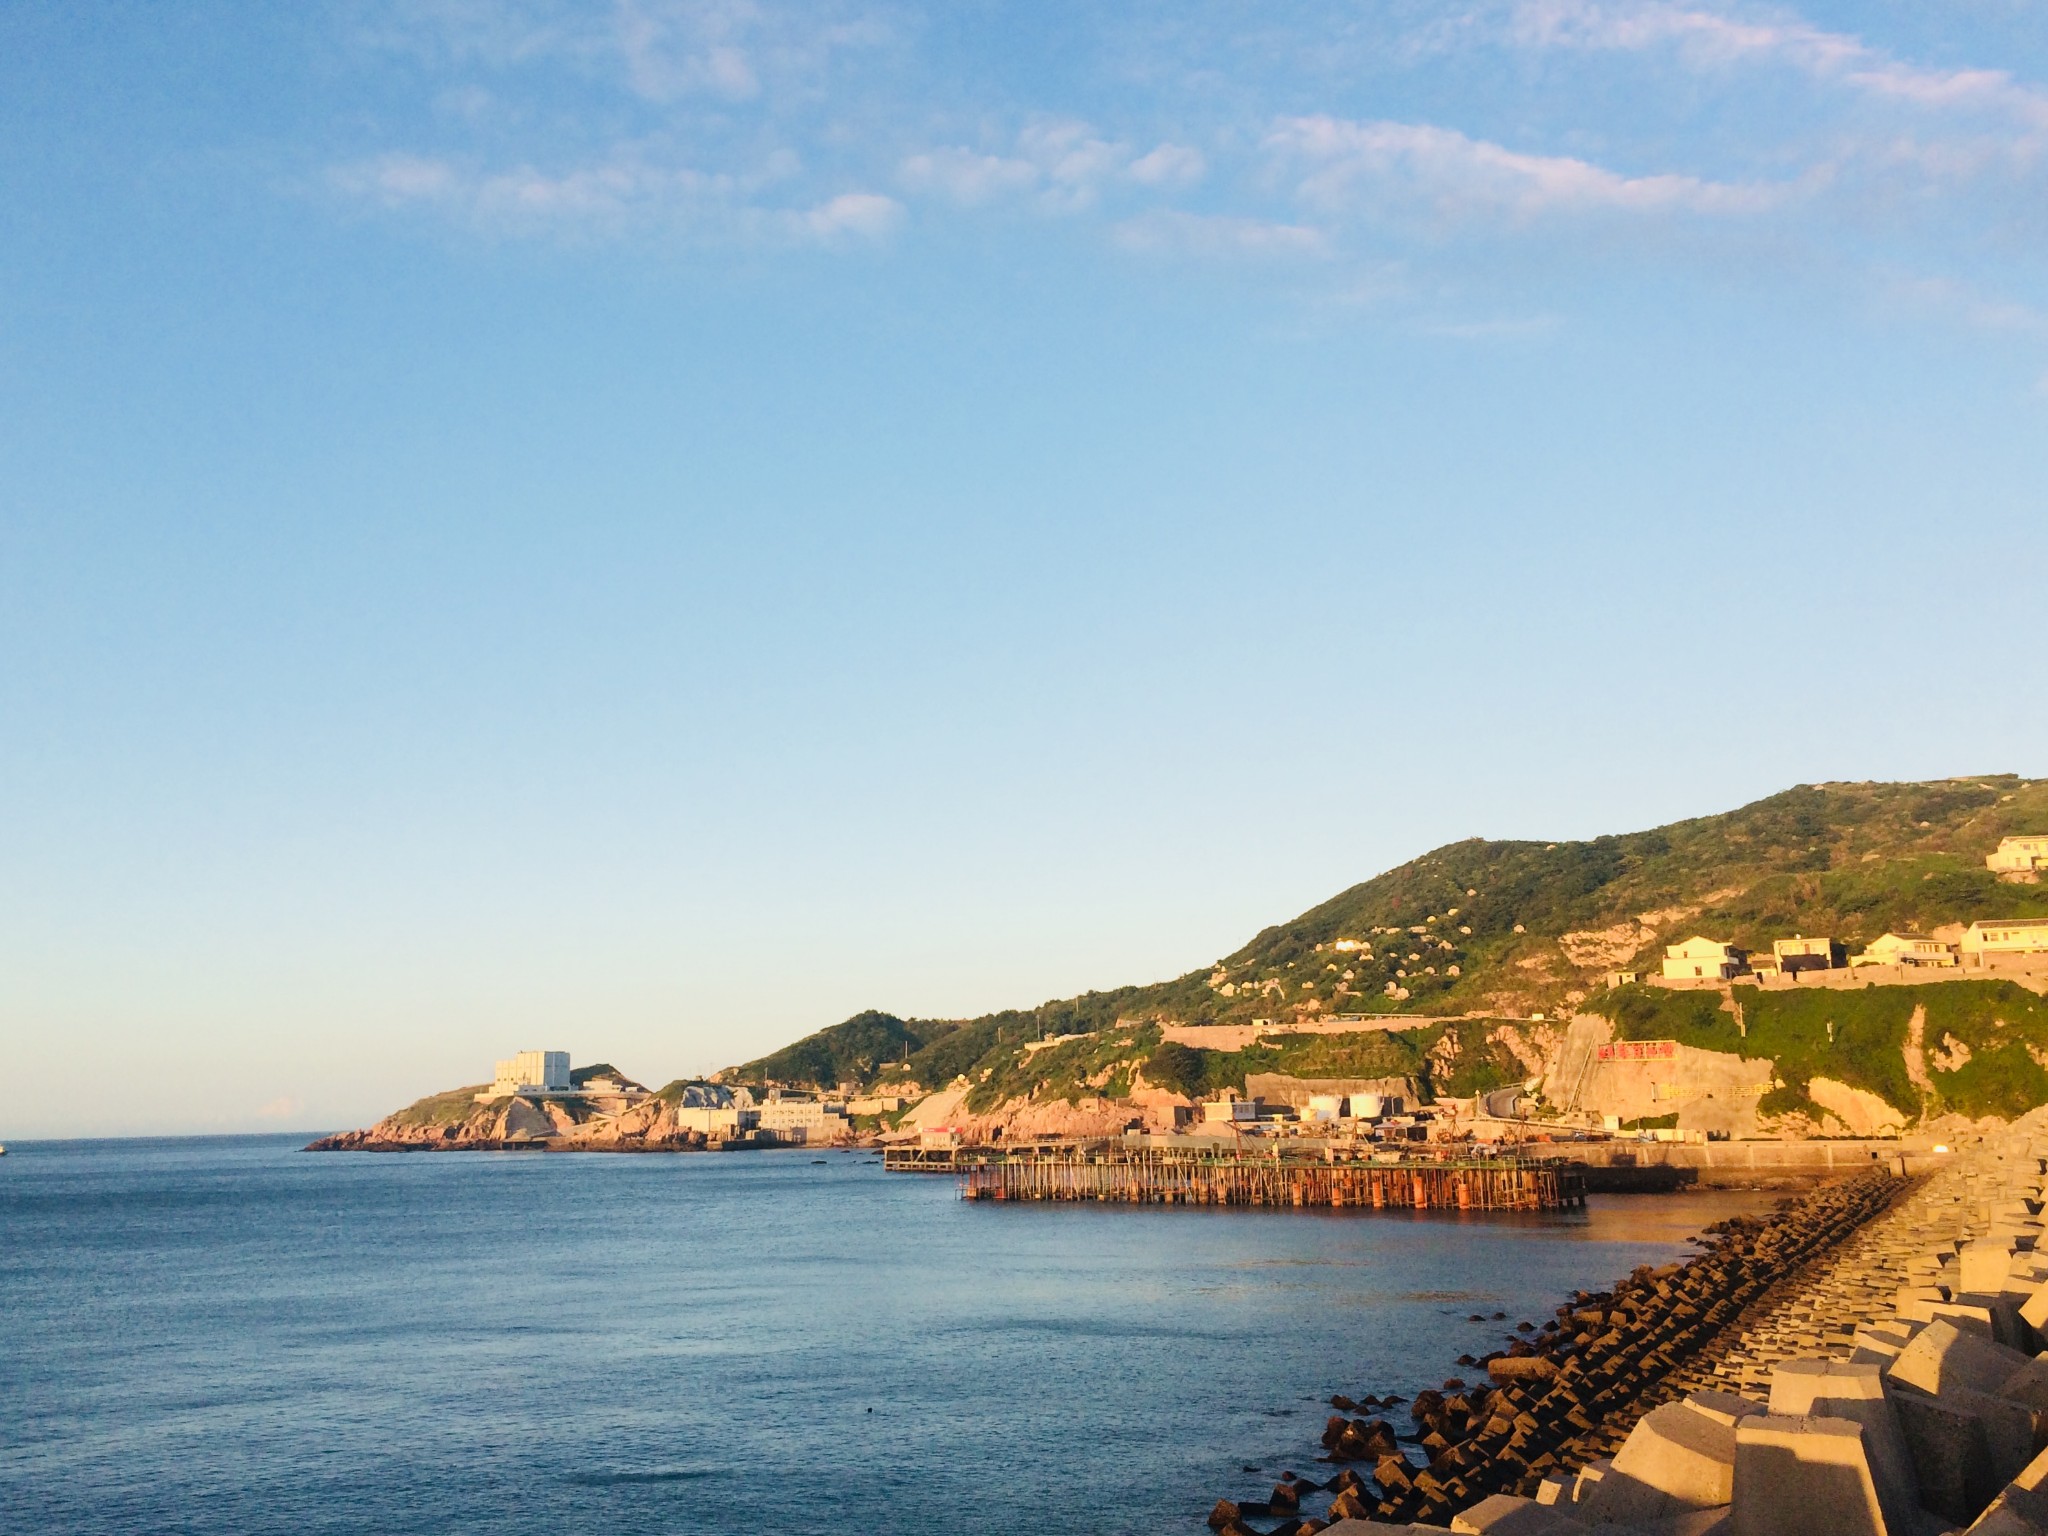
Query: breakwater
(1142,1177)
(1561,1396)
(1868,1362)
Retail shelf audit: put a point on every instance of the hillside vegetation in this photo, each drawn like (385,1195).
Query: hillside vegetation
(1504,929)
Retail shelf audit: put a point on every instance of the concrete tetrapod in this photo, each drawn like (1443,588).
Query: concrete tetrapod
(1804,1477)
(1843,1389)
(1678,1459)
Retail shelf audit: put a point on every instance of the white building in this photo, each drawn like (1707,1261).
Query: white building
(2019,856)
(2009,936)
(1703,959)
(714,1119)
(1801,953)
(532,1072)
(1904,949)
(803,1122)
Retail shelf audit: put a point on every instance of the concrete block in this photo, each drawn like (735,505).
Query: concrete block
(1677,1459)
(2034,1310)
(2021,1508)
(2001,1311)
(1726,1407)
(2028,1384)
(1970,1316)
(1804,1477)
(1951,1462)
(1846,1390)
(1943,1356)
(1984,1265)
(1504,1514)
(1590,1477)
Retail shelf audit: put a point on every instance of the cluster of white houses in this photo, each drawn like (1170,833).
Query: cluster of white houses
(2017,942)
(1983,946)
(710,1109)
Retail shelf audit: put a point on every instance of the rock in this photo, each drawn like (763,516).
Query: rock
(1510,1369)
(1222,1514)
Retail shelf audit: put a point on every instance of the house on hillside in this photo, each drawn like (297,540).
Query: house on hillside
(1800,953)
(2008,938)
(1904,949)
(2019,856)
(1702,959)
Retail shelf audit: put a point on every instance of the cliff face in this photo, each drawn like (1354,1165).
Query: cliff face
(453,1122)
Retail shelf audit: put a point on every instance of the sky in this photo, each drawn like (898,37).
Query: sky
(646,528)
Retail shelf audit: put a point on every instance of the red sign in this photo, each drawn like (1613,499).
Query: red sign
(1640,1050)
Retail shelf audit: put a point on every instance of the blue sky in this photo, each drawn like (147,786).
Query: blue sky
(649,527)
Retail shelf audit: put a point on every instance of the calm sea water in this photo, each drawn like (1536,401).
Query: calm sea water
(230,1336)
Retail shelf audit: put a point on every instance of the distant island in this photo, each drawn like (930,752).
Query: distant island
(1838,959)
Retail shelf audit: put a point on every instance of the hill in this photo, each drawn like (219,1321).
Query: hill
(1481,930)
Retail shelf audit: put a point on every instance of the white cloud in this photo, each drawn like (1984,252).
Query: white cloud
(1061,165)
(1712,38)
(678,50)
(614,197)
(1344,165)
(1170,165)
(966,177)
(587,199)
(868,215)
(662,51)
(1173,232)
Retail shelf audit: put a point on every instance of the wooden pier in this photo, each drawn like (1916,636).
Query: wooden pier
(1156,1178)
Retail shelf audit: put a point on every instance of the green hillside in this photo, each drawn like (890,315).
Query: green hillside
(853,1052)
(1504,929)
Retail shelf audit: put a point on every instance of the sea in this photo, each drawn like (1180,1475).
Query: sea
(231,1335)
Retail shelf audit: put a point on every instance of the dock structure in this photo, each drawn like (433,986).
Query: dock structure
(1140,1177)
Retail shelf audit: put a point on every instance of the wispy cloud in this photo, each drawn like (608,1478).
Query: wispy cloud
(1980,311)
(613,197)
(764,123)
(1062,165)
(1344,165)
(1712,38)
(662,51)
(1173,232)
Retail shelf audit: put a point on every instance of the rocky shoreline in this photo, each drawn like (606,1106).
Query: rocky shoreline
(1825,1335)
(644,1123)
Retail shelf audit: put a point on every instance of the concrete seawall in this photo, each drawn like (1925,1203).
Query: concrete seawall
(1628,1167)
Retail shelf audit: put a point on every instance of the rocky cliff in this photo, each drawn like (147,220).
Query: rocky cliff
(456,1121)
